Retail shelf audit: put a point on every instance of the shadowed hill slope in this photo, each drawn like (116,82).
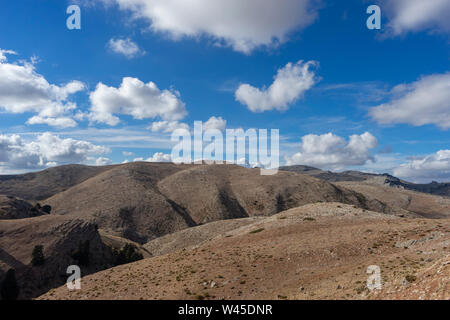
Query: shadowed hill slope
(143,201)
(426,205)
(60,238)
(181,207)
(329,175)
(435,188)
(214,192)
(13,208)
(125,201)
(43,184)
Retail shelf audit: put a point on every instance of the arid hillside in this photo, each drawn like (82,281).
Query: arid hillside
(195,236)
(14,208)
(329,175)
(224,217)
(143,201)
(428,200)
(425,205)
(435,188)
(317,251)
(125,201)
(44,184)
(61,238)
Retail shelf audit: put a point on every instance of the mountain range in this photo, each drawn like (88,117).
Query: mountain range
(163,209)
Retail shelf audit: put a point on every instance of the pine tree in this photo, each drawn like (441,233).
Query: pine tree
(127,254)
(82,253)
(9,289)
(38,258)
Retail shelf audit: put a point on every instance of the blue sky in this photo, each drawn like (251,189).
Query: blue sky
(392,83)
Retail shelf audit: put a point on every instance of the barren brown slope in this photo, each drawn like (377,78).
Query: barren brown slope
(431,282)
(426,205)
(313,252)
(14,208)
(213,192)
(143,201)
(60,237)
(329,175)
(125,202)
(435,188)
(44,184)
(195,236)
(118,243)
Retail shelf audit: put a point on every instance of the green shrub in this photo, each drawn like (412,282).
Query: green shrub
(127,254)
(47,209)
(82,253)
(410,278)
(281,206)
(38,258)
(9,289)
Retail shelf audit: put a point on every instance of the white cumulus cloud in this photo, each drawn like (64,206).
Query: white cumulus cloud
(329,151)
(157,157)
(3,54)
(61,122)
(23,90)
(102,161)
(416,15)
(170,126)
(290,83)
(126,47)
(243,25)
(137,99)
(167,126)
(431,167)
(215,123)
(45,150)
(425,101)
